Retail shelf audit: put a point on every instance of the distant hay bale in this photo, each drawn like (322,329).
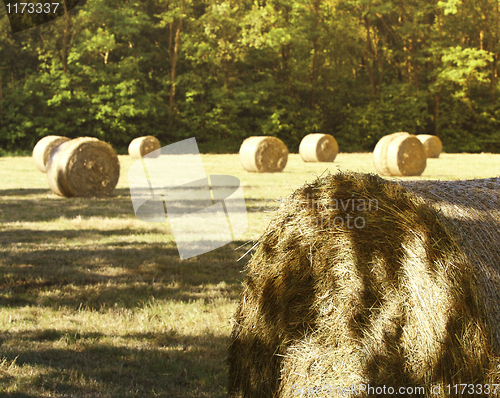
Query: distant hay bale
(43,149)
(263,154)
(380,153)
(359,281)
(399,154)
(83,167)
(406,156)
(140,147)
(318,148)
(432,145)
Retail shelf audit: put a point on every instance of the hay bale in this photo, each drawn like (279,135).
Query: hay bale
(263,154)
(83,167)
(432,145)
(359,281)
(399,154)
(406,156)
(43,149)
(318,148)
(140,147)
(380,153)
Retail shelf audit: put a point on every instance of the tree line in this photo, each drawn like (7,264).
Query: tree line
(226,70)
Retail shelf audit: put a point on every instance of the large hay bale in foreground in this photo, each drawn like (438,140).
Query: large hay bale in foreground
(399,154)
(83,167)
(43,149)
(263,154)
(432,145)
(318,148)
(140,147)
(359,281)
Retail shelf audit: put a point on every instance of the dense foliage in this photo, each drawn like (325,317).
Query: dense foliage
(225,70)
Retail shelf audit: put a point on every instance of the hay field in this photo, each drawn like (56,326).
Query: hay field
(94,303)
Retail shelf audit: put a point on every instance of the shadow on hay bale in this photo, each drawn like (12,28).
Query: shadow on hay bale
(362,281)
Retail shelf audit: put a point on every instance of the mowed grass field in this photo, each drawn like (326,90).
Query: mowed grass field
(95,303)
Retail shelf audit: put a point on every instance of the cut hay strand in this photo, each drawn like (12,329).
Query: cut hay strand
(362,281)
(140,147)
(432,145)
(83,167)
(43,149)
(399,154)
(318,148)
(263,154)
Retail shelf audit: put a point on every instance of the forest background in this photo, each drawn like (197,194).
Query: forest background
(226,70)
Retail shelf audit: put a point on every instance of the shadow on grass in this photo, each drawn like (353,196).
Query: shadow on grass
(117,276)
(46,191)
(261,205)
(96,269)
(52,236)
(138,365)
(25,192)
(50,209)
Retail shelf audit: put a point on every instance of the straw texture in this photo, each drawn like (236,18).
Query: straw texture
(263,154)
(432,145)
(359,280)
(43,149)
(318,148)
(140,147)
(83,167)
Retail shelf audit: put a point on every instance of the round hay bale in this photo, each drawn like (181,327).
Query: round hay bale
(263,154)
(140,147)
(43,149)
(432,145)
(399,154)
(83,167)
(318,148)
(364,282)
(380,153)
(406,156)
